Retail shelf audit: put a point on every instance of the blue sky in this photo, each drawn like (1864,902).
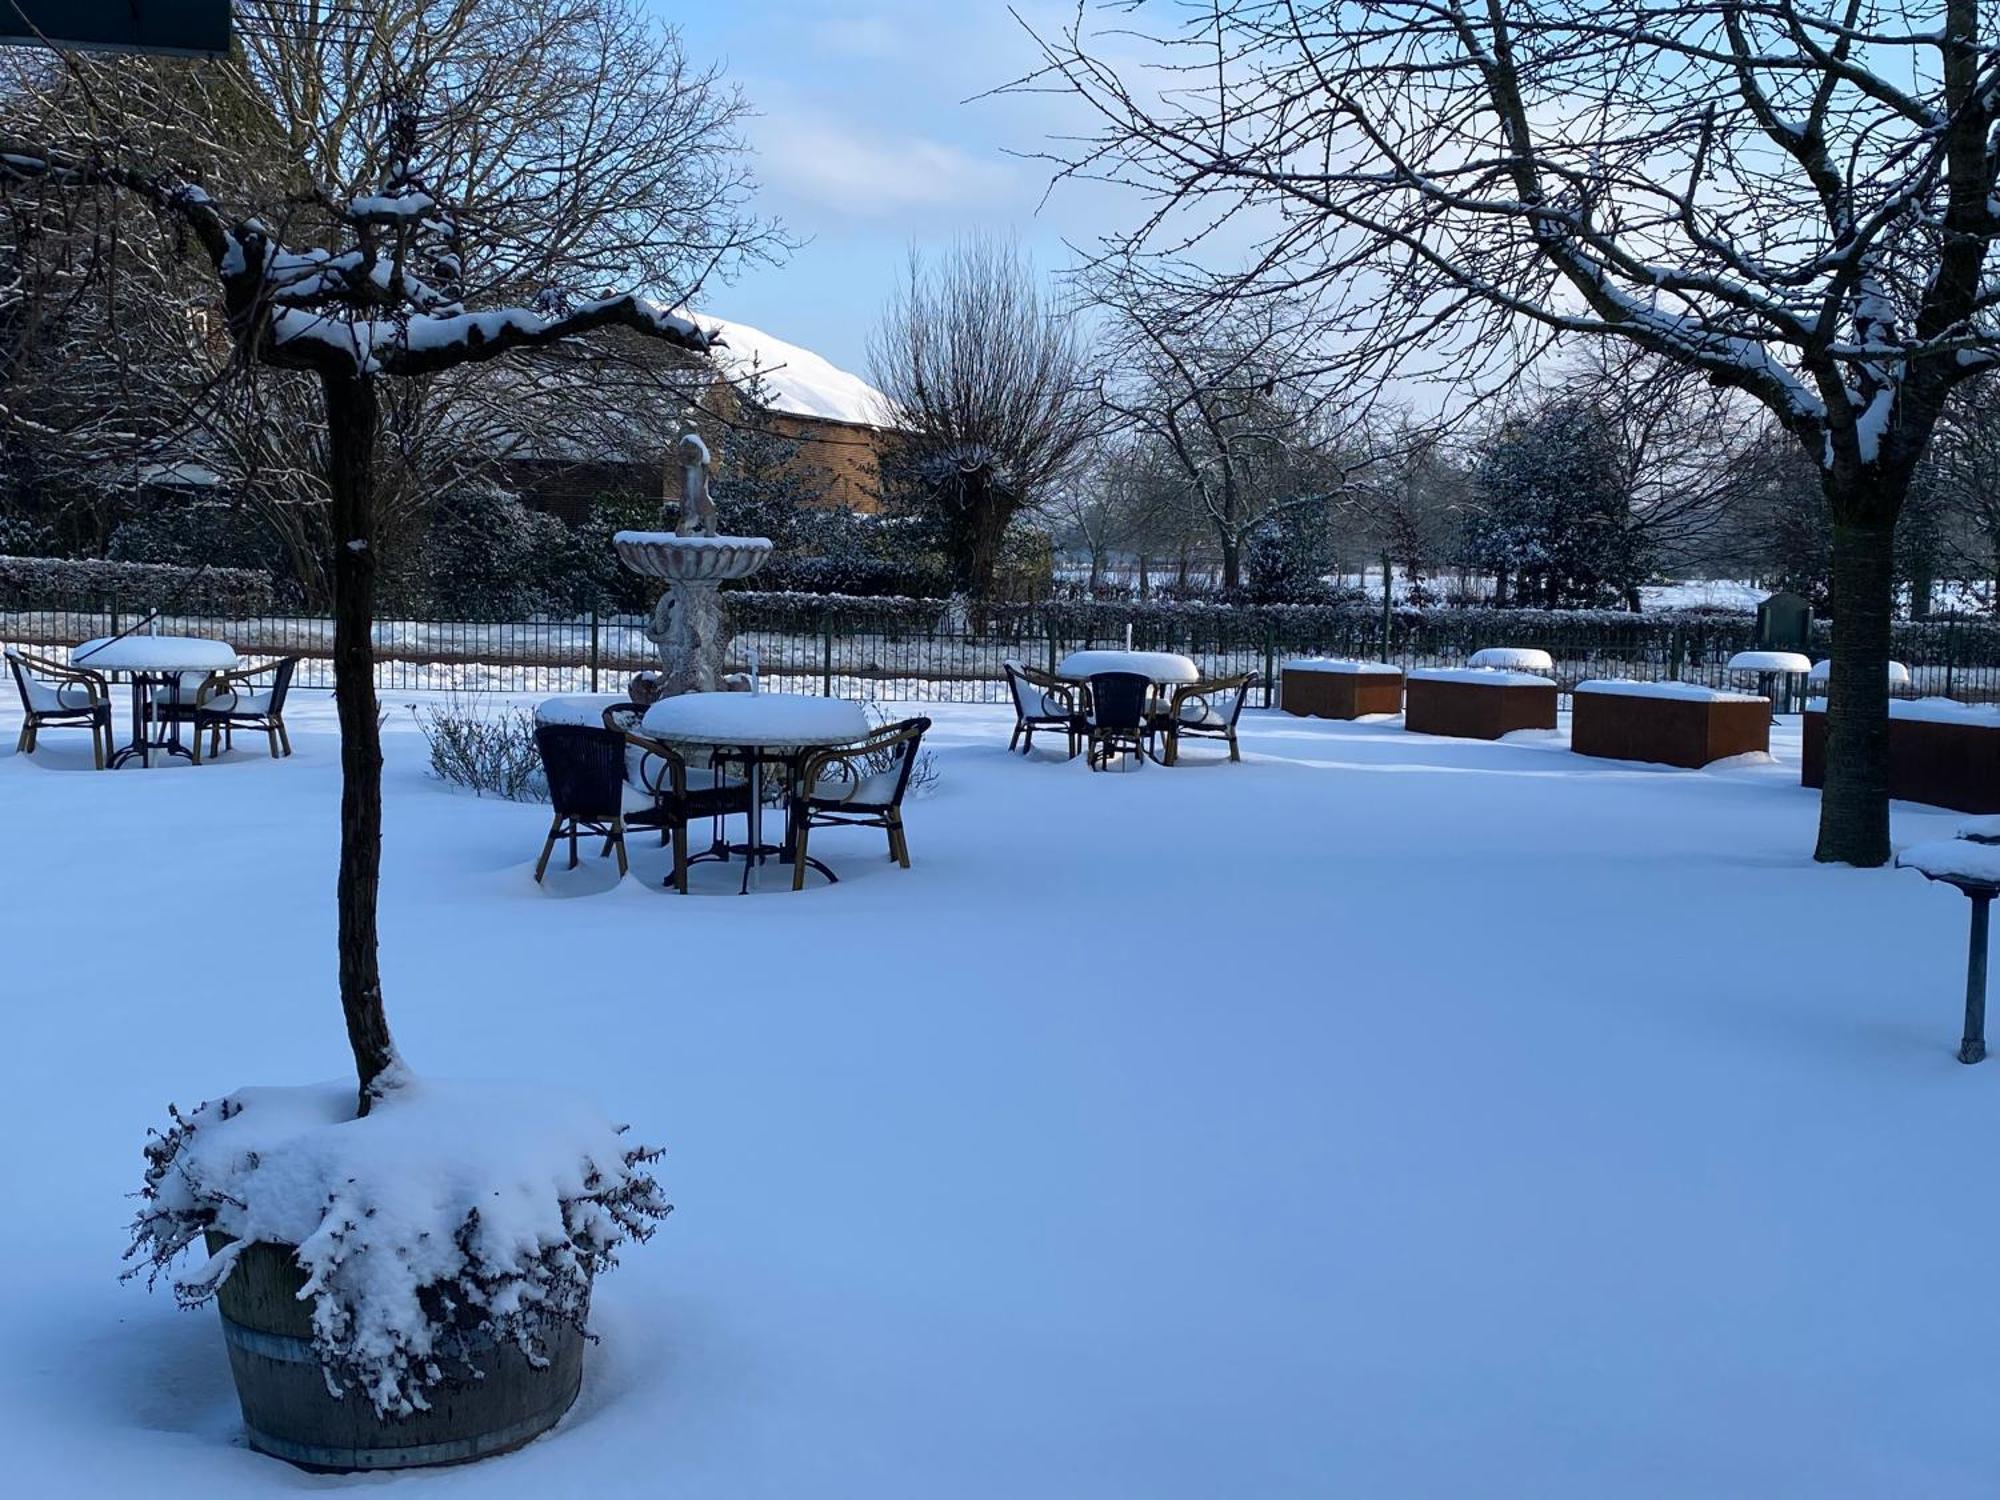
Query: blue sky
(866,146)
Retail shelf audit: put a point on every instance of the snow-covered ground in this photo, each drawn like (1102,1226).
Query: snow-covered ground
(1383,1116)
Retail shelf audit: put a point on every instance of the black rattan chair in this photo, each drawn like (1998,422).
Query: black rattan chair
(1205,710)
(586,774)
(856,786)
(227,701)
(71,699)
(1118,721)
(1043,702)
(677,796)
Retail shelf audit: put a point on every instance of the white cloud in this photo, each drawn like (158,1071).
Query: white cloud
(831,163)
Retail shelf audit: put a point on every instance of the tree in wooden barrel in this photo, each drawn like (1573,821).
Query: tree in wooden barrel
(403,1264)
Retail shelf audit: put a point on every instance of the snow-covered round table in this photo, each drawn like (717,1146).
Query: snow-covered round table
(1512,659)
(1971,863)
(166,660)
(1161,668)
(754,727)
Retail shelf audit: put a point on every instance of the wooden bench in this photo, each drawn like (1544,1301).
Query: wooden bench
(1476,703)
(1323,688)
(1941,752)
(1667,723)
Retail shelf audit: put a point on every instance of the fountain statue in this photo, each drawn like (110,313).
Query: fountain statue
(687,625)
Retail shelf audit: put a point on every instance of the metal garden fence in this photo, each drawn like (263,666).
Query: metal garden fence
(905,651)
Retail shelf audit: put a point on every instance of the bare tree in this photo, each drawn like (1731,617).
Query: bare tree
(1794,198)
(360,293)
(988,386)
(579,145)
(1234,410)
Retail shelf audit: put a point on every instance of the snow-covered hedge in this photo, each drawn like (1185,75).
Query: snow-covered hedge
(135,585)
(450,1214)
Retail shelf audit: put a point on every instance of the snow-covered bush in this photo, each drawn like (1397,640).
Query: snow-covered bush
(487,748)
(449,1216)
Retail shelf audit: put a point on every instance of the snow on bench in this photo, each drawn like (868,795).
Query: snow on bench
(1512,658)
(1688,692)
(1480,677)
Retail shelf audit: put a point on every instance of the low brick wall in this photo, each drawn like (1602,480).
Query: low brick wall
(1317,693)
(1477,706)
(1671,729)
(1938,762)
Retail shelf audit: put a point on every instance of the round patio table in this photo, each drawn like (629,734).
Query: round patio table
(1161,668)
(150,659)
(753,727)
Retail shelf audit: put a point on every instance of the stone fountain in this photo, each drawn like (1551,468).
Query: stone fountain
(687,624)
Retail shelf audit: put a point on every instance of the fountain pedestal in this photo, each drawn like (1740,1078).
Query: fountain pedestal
(687,625)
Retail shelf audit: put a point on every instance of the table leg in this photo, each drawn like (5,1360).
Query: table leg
(756,855)
(1972,1047)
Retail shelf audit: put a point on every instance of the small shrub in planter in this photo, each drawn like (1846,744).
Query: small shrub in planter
(445,1241)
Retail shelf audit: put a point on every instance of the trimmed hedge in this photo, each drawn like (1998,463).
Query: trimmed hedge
(30,581)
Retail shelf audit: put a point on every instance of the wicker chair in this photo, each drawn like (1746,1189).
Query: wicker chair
(1043,702)
(857,786)
(1118,722)
(677,796)
(585,767)
(70,698)
(227,700)
(1205,710)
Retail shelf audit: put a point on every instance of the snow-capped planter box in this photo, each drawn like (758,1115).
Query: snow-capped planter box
(1941,752)
(403,1288)
(1324,688)
(1477,703)
(1669,723)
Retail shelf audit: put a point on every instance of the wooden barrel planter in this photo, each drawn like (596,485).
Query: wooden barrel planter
(1477,704)
(1326,689)
(1943,753)
(1667,723)
(289,1413)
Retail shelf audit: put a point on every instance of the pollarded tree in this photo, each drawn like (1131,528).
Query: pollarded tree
(989,393)
(1794,197)
(366,294)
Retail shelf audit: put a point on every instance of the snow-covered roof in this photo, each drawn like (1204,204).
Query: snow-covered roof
(800,381)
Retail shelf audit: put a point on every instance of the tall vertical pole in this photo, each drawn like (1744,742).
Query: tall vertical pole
(1973,1047)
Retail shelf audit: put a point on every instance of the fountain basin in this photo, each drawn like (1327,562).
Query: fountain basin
(691,559)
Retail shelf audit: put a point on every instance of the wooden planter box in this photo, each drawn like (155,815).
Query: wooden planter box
(1478,705)
(1339,689)
(1668,723)
(1942,753)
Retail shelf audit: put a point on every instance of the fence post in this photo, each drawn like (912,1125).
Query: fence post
(826,653)
(1388,595)
(1676,654)
(593,648)
(1052,647)
(1270,663)
(1950,654)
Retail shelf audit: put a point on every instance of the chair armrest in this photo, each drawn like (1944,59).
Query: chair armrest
(670,758)
(94,683)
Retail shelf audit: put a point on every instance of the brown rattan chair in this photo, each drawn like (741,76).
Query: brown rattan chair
(228,700)
(1205,710)
(856,786)
(679,796)
(54,696)
(1043,702)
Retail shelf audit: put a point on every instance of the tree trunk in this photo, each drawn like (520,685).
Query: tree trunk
(1854,808)
(1500,589)
(352,420)
(1232,563)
